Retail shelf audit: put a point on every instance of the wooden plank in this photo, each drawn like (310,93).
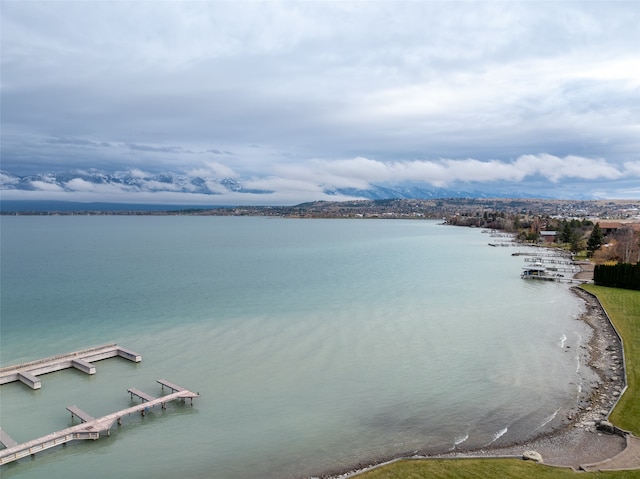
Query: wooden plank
(171,386)
(80,414)
(6,439)
(142,395)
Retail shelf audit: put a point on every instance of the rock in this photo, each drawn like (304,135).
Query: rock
(532,456)
(606,426)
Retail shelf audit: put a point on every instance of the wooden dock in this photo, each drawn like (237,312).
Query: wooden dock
(142,395)
(164,383)
(90,428)
(80,414)
(28,373)
(6,440)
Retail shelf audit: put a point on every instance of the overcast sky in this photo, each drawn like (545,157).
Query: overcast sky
(296,97)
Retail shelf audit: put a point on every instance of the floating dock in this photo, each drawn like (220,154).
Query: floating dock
(89,427)
(28,373)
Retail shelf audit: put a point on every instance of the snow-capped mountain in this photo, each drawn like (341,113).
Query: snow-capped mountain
(128,180)
(137,181)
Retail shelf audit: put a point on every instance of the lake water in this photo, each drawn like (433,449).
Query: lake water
(316,345)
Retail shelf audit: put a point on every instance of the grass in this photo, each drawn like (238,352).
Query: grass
(483,468)
(623,307)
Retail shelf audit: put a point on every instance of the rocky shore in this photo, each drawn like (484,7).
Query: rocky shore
(578,440)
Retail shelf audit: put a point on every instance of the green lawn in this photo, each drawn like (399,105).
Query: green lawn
(623,307)
(483,469)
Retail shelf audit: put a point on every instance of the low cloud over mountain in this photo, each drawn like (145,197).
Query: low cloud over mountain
(542,176)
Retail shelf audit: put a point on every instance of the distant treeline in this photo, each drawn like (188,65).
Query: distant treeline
(621,275)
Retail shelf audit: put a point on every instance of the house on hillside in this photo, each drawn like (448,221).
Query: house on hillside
(610,227)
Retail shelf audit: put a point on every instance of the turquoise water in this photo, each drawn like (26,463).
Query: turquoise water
(316,345)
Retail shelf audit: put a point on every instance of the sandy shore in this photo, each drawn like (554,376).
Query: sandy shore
(576,441)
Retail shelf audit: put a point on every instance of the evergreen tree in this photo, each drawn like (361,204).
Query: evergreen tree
(566,233)
(595,239)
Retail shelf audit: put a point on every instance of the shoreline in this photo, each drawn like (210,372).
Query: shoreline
(576,441)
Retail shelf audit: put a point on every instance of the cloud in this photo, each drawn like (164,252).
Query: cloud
(157,149)
(215,151)
(87,193)
(46,186)
(321,179)
(7,181)
(316,177)
(78,185)
(78,142)
(334,93)
(138,173)
(632,168)
(360,171)
(213,169)
(556,169)
(289,186)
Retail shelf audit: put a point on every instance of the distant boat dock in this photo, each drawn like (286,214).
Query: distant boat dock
(550,266)
(28,373)
(89,427)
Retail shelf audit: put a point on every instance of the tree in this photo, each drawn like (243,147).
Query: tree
(576,245)
(625,241)
(595,239)
(569,235)
(566,233)
(536,226)
(621,275)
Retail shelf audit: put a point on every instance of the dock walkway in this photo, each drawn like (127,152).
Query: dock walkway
(80,414)
(164,383)
(142,395)
(28,373)
(90,428)
(6,439)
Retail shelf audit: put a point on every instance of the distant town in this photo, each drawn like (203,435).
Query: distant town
(625,210)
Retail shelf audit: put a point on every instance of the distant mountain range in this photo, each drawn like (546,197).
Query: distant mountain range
(400,192)
(137,181)
(130,180)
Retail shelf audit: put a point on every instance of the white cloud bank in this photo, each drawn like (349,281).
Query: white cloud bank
(321,179)
(444,172)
